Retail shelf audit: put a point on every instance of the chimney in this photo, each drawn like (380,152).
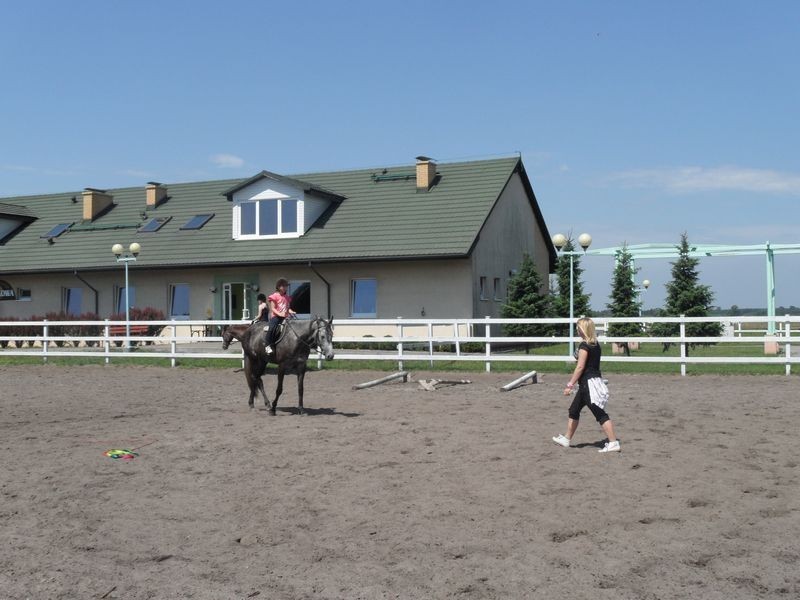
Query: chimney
(96,203)
(156,194)
(426,173)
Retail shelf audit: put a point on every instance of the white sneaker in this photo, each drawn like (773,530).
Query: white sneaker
(610,447)
(269,350)
(561,440)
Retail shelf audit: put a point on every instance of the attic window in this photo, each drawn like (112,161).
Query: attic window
(197,221)
(56,231)
(153,224)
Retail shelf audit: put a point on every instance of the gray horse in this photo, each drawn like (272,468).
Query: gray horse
(291,353)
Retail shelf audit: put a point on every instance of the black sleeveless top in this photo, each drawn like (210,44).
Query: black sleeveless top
(592,368)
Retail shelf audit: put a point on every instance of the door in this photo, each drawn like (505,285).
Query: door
(233,301)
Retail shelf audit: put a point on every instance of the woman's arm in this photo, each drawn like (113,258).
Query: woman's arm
(273,309)
(583,354)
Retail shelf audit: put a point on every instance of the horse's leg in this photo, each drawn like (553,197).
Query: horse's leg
(253,381)
(301,375)
(278,390)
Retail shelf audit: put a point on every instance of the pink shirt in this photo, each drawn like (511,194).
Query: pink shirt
(281,302)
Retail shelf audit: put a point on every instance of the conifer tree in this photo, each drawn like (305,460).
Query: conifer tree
(560,296)
(526,300)
(624,297)
(686,296)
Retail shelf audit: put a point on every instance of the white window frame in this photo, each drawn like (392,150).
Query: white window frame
(171,298)
(482,285)
(65,293)
(237,219)
(354,314)
(294,283)
(119,298)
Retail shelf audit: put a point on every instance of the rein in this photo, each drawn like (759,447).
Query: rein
(316,326)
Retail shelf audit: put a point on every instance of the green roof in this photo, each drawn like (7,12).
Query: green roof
(376,220)
(14,210)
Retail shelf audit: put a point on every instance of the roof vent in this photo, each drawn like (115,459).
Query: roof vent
(426,173)
(156,194)
(96,203)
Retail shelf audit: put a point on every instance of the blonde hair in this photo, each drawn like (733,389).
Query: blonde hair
(586,327)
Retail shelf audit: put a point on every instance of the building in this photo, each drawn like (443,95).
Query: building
(424,240)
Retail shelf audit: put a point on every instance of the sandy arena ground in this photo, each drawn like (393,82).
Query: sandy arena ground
(394,492)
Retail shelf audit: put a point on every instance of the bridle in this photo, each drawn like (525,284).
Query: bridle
(317,325)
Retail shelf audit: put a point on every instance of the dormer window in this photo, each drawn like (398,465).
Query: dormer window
(272,206)
(268,218)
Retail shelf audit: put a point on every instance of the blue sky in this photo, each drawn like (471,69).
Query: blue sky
(636,120)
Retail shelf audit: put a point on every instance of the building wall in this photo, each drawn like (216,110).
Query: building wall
(441,288)
(510,232)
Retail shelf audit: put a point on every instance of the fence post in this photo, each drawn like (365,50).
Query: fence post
(45,342)
(488,334)
(430,343)
(399,344)
(107,342)
(683,345)
(172,344)
(787,347)
(457,341)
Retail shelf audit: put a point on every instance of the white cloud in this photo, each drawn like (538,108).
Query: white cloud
(702,179)
(227,161)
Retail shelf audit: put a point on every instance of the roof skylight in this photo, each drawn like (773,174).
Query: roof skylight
(56,231)
(197,221)
(153,225)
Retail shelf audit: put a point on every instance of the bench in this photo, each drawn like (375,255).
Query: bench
(121,331)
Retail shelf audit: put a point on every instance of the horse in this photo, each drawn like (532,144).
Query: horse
(291,353)
(254,365)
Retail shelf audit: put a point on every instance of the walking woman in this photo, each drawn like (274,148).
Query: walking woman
(592,391)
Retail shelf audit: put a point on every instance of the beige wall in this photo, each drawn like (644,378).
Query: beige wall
(510,232)
(442,288)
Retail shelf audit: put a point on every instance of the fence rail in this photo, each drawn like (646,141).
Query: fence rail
(433,340)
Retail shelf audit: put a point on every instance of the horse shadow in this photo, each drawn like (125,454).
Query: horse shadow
(314,412)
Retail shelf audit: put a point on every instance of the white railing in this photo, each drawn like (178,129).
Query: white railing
(431,340)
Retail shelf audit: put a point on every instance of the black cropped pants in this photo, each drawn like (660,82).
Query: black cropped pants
(582,399)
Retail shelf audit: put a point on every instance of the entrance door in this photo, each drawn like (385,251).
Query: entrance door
(233,301)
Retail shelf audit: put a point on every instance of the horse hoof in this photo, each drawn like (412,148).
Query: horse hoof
(272,412)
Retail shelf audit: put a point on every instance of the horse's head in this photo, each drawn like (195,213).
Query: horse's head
(227,337)
(323,336)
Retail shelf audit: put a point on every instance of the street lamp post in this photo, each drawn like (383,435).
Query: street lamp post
(118,251)
(639,290)
(559,241)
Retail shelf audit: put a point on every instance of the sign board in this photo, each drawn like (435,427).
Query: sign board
(6,291)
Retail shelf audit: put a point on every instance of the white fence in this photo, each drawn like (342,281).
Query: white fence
(430,340)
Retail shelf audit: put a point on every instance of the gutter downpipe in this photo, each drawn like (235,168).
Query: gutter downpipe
(327,285)
(89,285)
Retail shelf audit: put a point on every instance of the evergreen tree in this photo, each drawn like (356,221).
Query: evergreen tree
(560,295)
(686,296)
(526,300)
(624,297)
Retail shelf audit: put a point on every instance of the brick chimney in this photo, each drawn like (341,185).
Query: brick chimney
(96,203)
(156,194)
(426,173)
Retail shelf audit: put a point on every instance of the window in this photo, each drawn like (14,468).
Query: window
(72,301)
(268,218)
(153,224)
(497,289)
(121,298)
(483,288)
(57,230)
(300,291)
(197,221)
(23,295)
(363,298)
(179,301)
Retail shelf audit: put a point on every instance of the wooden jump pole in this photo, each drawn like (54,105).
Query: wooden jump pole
(369,384)
(518,382)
